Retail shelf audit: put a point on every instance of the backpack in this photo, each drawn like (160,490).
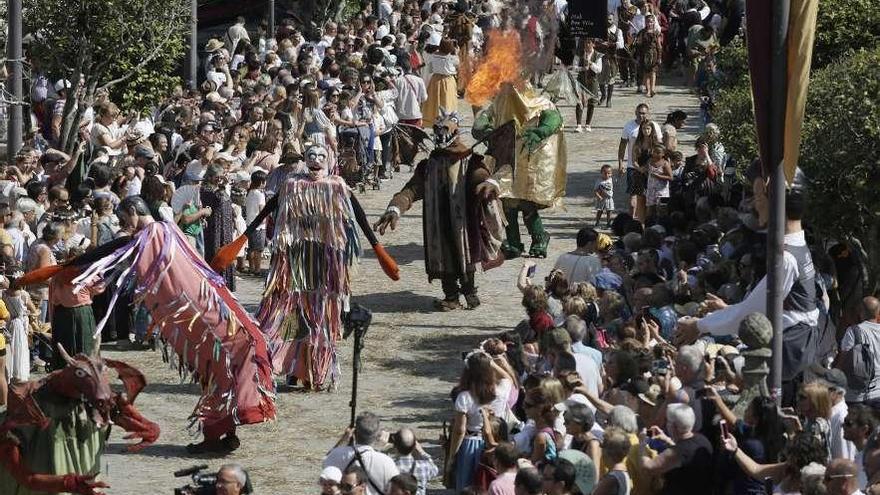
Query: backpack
(858,363)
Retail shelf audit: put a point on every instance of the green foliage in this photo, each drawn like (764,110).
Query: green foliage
(841,143)
(132,44)
(735,116)
(845,26)
(733,62)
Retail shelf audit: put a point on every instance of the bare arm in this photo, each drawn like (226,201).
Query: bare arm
(459,428)
(621,154)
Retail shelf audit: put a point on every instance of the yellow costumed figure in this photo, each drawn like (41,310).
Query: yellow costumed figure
(523,130)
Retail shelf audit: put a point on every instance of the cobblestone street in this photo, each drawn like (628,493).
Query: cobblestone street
(413,354)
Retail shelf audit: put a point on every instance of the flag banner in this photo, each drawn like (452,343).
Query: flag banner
(588,18)
(801,36)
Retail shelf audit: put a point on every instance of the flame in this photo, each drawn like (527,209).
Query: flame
(500,65)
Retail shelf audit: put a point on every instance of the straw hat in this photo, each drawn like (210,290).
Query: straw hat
(213,45)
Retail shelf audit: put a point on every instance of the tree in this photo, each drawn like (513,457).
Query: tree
(110,45)
(841,143)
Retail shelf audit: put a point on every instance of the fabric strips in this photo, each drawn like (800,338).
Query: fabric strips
(197,316)
(309,281)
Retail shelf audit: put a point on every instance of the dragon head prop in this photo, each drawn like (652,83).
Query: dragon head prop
(446,129)
(86,378)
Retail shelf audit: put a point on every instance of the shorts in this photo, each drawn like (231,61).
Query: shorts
(257,241)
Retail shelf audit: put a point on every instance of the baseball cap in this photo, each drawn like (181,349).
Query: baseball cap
(144,152)
(832,377)
(331,473)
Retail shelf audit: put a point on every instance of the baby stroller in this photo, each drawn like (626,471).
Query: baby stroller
(356,163)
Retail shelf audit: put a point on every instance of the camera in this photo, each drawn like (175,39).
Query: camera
(357,320)
(202,483)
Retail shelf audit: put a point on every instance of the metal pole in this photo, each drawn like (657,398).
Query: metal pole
(192,73)
(271,33)
(14,59)
(776,190)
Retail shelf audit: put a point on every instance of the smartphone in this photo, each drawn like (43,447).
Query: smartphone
(532,270)
(660,367)
(725,432)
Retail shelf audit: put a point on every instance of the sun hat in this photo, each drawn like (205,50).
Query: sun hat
(584,469)
(213,45)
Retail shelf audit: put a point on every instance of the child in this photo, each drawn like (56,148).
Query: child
(604,192)
(254,203)
(659,177)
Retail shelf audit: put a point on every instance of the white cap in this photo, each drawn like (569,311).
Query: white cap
(331,473)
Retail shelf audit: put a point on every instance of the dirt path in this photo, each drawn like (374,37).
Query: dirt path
(413,355)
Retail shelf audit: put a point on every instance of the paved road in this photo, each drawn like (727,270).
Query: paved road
(413,354)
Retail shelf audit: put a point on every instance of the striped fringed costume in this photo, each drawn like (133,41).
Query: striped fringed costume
(195,314)
(309,282)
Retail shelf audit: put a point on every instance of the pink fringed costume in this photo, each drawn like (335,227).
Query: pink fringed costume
(309,282)
(199,318)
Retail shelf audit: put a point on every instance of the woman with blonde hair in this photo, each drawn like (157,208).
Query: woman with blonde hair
(814,412)
(442,67)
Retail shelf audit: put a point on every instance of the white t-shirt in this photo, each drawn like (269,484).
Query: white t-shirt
(253,203)
(588,371)
(631,133)
(465,403)
(379,466)
(579,268)
(840,448)
(411,93)
(446,65)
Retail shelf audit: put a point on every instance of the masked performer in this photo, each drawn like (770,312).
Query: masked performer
(309,281)
(460,229)
(530,162)
(54,430)
(194,313)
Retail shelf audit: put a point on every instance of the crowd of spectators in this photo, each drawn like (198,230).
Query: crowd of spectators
(629,371)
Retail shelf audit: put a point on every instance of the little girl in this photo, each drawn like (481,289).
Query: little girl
(604,192)
(659,177)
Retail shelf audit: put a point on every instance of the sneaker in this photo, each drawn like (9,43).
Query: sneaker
(579,129)
(588,128)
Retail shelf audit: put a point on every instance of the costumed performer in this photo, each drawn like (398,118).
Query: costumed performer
(530,162)
(195,314)
(460,229)
(55,429)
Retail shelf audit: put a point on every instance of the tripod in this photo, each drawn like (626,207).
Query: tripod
(357,321)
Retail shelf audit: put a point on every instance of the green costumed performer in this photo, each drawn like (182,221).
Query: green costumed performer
(530,159)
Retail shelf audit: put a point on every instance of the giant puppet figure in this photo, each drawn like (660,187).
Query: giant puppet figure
(308,288)
(523,133)
(460,229)
(530,162)
(194,313)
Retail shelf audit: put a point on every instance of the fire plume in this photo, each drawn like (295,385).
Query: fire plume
(500,65)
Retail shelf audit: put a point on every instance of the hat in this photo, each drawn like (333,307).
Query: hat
(213,45)
(62,84)
(214,97)
(134,136)
(194,171)
(650,395)
(331,473)
(832,377)
(584,469)
(608,280)
(290,156)
(144,152)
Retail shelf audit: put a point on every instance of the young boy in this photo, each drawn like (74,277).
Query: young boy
(604,192)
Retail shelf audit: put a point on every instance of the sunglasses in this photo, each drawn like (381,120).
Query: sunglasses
(347,488)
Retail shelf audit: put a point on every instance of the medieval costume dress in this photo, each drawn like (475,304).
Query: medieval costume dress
(196,316)
(460,229)
(442,88)
(530,157)
(73,322)
(309,282)
(219,228)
